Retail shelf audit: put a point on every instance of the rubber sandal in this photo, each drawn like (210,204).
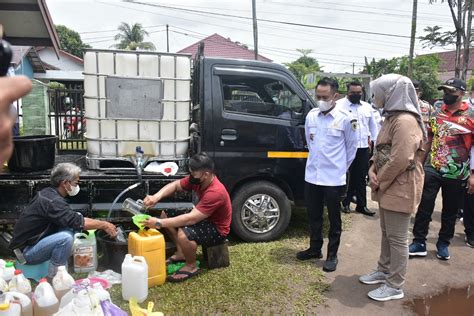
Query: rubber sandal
(171,260)
(188,275)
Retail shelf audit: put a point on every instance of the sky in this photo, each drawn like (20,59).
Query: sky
(337,51)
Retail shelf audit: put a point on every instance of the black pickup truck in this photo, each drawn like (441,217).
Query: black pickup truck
(247,115)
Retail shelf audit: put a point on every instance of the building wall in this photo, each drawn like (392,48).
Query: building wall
(25,68)
(443,76)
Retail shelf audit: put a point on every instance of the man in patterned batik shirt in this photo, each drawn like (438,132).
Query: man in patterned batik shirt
(448,167)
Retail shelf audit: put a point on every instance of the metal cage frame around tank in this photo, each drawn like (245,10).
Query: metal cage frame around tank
(95,162)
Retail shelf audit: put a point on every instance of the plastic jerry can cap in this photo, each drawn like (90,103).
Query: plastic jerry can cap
(9,264)
(43,280)
(18,271)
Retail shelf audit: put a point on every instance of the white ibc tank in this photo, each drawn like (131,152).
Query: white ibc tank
(137,99)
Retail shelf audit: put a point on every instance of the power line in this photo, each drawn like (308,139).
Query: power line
(269,21)
(107,31)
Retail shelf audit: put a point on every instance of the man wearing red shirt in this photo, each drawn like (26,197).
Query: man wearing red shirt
(449,167)
(207,224)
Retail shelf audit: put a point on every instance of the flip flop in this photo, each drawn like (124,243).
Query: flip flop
(171,260)
(188,275)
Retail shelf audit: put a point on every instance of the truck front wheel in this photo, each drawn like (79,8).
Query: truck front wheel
(260,212)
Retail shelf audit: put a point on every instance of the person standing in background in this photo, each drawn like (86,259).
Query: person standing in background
(367,130)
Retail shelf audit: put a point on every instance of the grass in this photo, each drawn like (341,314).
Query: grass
(263,278)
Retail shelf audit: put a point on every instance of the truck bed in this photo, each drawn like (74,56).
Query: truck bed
(98,190)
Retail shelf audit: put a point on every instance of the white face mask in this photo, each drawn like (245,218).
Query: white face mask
(324,105)
(74,190)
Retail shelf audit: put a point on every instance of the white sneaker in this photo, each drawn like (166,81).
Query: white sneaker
(386,293)
(374,277)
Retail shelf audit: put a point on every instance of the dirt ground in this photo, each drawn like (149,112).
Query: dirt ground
(358,255)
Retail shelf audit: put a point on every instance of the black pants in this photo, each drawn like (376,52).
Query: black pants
(357,176)
(452,191)
(316,197)
(468,217)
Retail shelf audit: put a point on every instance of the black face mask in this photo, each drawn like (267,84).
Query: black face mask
(194,180)
(449,99)
(354,98)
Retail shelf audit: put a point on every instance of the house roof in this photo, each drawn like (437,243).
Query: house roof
(66,61)
(19,52)
(448,60)
(28,22)
(218,46)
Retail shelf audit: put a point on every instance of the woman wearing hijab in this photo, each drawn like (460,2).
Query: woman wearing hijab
(396,179)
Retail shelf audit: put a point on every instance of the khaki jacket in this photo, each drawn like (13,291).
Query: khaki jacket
(399,168)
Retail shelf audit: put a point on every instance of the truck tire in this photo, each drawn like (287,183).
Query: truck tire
(261,211)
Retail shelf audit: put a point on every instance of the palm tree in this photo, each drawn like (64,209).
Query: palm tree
(131,37)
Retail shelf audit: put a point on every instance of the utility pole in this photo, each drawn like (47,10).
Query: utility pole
(353,68)
(167,39)
(255,31)
(412,40)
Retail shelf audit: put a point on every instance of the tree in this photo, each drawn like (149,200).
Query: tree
(131,37)
(304,65)
(70,41)
(461,14)
(425,69)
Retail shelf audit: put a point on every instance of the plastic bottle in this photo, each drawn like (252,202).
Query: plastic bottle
(45,302)
(7,308)
(134,278)
(24,300)
(62,282)
(85,252)
(19,283)
(2,267)
(100,292)
(9,271)
(3,285)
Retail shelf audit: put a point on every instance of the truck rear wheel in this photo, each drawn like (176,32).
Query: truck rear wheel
(260,211)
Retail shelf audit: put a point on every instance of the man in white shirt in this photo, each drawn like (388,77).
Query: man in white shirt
(331,135)
(367,130)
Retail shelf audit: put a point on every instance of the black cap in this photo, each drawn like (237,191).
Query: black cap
(454,84)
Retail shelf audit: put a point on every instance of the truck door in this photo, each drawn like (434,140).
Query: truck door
(258,134)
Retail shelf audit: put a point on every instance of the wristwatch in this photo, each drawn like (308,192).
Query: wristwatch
(158,224)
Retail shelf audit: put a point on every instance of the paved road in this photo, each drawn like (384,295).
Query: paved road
(359,252)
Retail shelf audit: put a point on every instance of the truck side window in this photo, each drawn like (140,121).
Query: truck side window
(259,96)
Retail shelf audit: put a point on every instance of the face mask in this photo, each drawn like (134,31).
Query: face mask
(194,180)
(325,105)
(450,99)
(74,190)
(354,98)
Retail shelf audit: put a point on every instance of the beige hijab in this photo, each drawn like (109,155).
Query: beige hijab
(396,93)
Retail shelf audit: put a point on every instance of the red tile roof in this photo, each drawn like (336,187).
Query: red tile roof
(448,60)
(218,46)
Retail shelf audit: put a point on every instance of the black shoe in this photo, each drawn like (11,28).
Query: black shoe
(470,242)
(330,264)
(354,199)
(365,211)
(346,209)
(309,254)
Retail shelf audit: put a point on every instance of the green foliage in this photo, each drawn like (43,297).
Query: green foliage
(70,41)
(56,85)
(131,37)
(425,70)
(304,65)
(434,37)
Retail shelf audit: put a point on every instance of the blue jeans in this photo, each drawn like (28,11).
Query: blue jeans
(56,247)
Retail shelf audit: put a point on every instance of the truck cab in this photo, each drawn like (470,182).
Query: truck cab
(250,117)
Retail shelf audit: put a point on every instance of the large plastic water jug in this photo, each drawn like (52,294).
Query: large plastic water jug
(134,278)
(19,283)
(23,300)
(7,307)
(150,244)
(9,271)
(62,282)
(45,302)
(4,285)
(85,252)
